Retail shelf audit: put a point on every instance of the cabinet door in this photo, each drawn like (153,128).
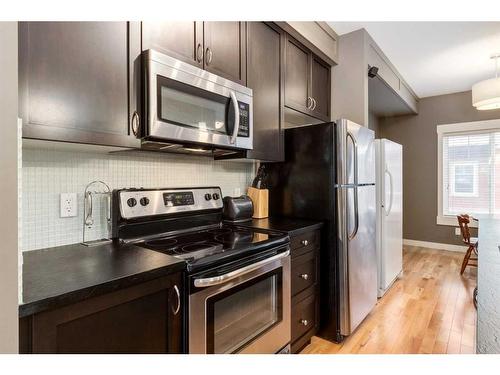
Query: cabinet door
(320,88)
(74,82)
(139,319)
(297,75)
(225,49)
(265,45)
(182,40)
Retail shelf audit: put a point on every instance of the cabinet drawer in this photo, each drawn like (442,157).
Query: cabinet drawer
(303,316)
(304,272)
(305,242)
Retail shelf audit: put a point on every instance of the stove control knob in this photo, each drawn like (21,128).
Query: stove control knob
(144,201)
(208,196)
(131,202)
(215,196)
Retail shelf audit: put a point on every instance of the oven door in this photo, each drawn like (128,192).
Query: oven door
(243,311)
(186,104)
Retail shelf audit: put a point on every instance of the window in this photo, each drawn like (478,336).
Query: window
(463,180)
(469,170)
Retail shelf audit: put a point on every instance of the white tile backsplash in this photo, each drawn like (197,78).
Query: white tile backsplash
(48,173)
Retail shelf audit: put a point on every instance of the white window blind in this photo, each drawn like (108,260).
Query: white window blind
(471,173)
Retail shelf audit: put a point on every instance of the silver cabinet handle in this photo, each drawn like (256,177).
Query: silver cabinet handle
(208,56)
(305,276)
(236,117)
(304,322)
(216,280)
(304,242)
(199,53)
(178,294)
(314,104)
(135,123)
(309,102)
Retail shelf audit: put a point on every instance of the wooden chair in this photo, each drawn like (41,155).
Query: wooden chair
(471,242)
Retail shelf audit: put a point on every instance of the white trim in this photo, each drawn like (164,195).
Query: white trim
(435,245)
(469,126)
(475,126)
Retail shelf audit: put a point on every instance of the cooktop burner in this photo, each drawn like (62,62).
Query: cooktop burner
(196,245)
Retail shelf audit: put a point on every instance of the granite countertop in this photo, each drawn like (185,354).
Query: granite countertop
(488,285)
(64,275)
(291,226)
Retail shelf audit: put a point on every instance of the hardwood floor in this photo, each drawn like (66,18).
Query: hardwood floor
(429,310)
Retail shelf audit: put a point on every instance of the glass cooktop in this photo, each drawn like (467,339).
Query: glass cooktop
(196,245)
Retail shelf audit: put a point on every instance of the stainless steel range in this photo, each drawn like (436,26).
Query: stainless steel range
(238,278)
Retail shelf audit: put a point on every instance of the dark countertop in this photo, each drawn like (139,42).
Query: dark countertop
(284,224)
(488,286)
(63,275)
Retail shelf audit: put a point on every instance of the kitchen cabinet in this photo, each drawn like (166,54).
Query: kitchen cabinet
(218,47)
(78,81)
(145,318)
(225,49)
(307,81)
(266,43)
(182,40)
(305,250)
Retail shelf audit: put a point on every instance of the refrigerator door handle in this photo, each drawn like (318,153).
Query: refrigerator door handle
(391,184)
(355,162)
(356,214)
(355,156)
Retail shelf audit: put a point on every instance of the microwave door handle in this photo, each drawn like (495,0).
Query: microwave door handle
(236,117)
(216,280)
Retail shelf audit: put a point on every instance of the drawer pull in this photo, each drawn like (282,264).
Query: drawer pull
(304,242)
(304,322)
(304,276)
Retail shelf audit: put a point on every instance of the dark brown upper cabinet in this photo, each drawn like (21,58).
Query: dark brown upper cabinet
(307,81)
(225,49)
(182,40)
(145,318)
(218,47)
(264,77)
(78,82)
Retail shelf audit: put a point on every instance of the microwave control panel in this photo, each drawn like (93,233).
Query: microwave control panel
(244,130)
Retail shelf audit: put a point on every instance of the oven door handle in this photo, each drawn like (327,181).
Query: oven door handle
(236,117)
(216,280)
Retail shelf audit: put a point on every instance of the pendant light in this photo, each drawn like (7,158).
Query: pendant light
(486,94)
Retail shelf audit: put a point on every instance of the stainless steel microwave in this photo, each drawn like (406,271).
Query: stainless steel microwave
(190,106)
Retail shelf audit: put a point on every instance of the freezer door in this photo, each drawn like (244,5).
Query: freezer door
(390,213)
(355,153)
(358,281)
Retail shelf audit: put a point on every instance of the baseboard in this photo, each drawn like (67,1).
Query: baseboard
(435,245)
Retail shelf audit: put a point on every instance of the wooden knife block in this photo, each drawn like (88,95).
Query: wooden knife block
(260,200)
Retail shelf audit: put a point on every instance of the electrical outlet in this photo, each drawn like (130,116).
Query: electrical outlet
(68,205)
(236,192)
(457,232)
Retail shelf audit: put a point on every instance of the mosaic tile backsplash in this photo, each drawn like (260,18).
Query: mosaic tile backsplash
(48,173)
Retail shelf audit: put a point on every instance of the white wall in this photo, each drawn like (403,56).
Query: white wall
(8,189)
(47,173)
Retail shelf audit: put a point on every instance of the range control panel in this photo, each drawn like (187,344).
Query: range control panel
(135,203)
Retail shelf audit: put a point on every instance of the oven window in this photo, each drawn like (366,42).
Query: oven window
(240,315)
(189,106)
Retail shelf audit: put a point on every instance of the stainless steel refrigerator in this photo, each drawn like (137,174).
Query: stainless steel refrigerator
(329,175)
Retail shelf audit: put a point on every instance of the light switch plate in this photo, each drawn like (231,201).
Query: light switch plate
(68,205)
(457,232)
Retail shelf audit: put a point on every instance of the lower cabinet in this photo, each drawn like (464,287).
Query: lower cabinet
(146,318)
(304,285)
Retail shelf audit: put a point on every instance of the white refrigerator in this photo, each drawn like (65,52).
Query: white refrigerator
(389,181)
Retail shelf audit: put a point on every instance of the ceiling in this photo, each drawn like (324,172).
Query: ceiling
(435,58)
